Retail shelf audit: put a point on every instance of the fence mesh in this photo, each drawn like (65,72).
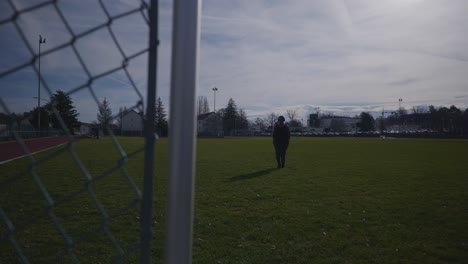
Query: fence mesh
(63,205)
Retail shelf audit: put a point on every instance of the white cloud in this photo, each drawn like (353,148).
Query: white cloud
(62,69)
(334,52)
(340,55)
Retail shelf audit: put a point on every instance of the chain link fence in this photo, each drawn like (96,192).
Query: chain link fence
(65,206)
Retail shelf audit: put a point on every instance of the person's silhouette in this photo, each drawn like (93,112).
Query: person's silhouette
(281,136)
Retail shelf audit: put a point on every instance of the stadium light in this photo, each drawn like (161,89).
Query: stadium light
(41,41)
(214,98)
(399,115)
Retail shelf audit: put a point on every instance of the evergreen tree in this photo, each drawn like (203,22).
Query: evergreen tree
(367,122)
(234,118)
(242,122)
(45,117)
(12,120)
(230,116)
(64,106)
(465,122)
(455,124)
(104,116)
(160,118)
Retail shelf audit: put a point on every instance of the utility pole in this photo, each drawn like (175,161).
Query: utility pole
(41,41)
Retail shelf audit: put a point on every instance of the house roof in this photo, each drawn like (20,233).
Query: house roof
(204,116)
(131,111)
(25,122)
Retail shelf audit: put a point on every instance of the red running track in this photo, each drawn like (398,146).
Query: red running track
(12,150)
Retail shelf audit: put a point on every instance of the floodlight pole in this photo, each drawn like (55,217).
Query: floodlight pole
(399,115)
(214,98)
(41,41)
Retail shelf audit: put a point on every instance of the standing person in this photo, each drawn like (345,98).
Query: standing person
(97,132)
(281,141)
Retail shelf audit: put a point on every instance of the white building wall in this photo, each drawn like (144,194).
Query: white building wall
(85,129)
(4,130)
(132,122)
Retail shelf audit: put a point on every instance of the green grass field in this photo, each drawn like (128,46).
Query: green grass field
(339,200)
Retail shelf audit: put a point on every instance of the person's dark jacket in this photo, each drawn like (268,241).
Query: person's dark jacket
(281,134)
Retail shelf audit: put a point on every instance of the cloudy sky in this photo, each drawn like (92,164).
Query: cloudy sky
(343,56)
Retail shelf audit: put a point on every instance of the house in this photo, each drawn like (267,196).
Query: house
(85,128)
(89,130)
(132,124)
(4,133)
(209,124)
(25,124)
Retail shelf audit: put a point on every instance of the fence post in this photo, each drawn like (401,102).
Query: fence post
(147,203)
(185,42)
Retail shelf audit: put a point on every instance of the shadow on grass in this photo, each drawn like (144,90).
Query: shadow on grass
(252,175)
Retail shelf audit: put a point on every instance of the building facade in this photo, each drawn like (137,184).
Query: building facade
(209,124)
(132,124)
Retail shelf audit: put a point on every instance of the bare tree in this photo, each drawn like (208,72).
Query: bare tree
(120,116)
(199,105)
(292,114)
(271,119)
(261,123)
(295,123)
(206,105)
(419,109)
(203,105)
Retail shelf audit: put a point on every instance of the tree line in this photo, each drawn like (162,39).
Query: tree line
(230,119)
(58,113)
(106,120)
(450,120)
